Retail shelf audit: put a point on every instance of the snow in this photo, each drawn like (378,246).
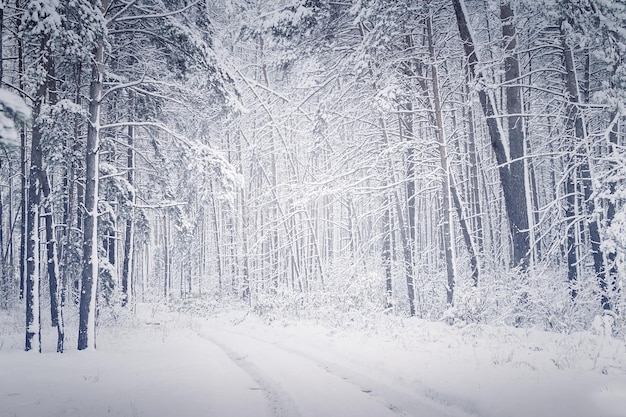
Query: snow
(12,108)
(235,364)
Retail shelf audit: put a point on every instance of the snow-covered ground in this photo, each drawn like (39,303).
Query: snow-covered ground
(237,365)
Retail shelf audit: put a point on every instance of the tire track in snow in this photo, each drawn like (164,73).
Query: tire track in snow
(396,399)
(280,403)
(313,390)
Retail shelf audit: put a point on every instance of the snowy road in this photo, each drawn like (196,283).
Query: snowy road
(238,366)
(300,383)
(199,368)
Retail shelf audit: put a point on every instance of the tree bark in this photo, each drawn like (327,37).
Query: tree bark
(516,212)
(407,247)
(386,252)
(443,161)
(52,255)
(38,185)
(89,279)
(24,184)
(476,211)
(3,271)
(130,225)
(517,188)
(33,256)
(575,123)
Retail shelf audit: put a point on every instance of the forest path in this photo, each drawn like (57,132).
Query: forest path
(152,370)
(237,365)
(301,380)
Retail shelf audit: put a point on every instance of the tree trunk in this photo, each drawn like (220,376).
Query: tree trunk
(445,174)
(52,255)
(166,258)
(3,260)
(37,182)
(407,247)
(409,240)
(218,242)
(518,200)
(89,280)
(476,211)
(516,212)
(610,215)
(575,123)
(2,45)
(33,279)
(56,314)
(130,225)
(71,222)
(33,316)
(386,251)
(570,219)
(24,185)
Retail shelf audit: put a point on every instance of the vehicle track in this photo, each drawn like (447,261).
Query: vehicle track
(279,402)
(258,357)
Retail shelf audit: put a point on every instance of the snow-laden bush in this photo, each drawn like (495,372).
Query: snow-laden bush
(540,298)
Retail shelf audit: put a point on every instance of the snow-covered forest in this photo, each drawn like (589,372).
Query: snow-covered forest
(455,162)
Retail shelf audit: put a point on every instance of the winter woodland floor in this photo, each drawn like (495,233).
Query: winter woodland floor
(236,365)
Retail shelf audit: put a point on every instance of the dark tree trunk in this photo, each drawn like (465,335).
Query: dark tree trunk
(24,185)
(575,123)
(33,279)
(610,215)
(517,187)
(33,320)
(2,47)
(476,211)
(516,212)
(570,219)
(56,313)
(465,230)
(129,232)
(89,280)
(3,272)
(409,242)
(218,241)
(2,257)
(386,252)
(409,239)
(38,184)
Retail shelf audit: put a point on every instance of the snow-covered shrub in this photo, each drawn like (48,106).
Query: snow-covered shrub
(278,305)
(111,313)
(470,305)
(539,297)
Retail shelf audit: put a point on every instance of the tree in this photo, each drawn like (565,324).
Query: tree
(440,133)
(89,279)
(510,170)
(38,180)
